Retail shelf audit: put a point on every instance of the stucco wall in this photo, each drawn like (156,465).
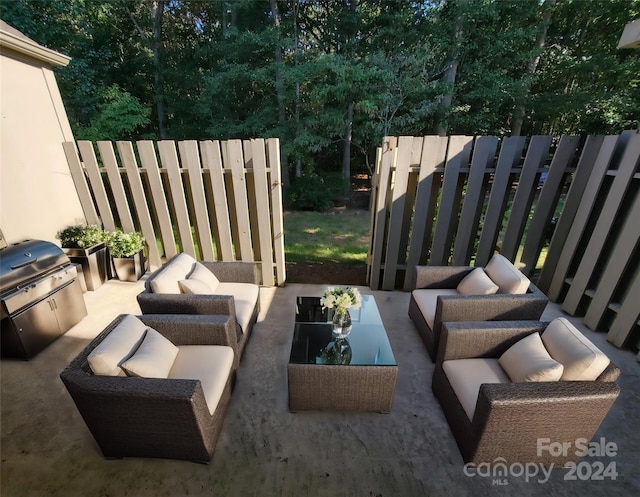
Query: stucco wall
(37,194)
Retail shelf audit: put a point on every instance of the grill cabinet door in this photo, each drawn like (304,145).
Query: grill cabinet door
(36,327)
(69,307)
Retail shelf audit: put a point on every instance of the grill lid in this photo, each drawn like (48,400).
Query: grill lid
(28,260)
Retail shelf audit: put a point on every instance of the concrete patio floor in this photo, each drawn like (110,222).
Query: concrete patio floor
(264,449)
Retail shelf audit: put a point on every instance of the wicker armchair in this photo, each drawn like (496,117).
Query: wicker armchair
(454,307)
(153,417)
(511,418)
(223,304)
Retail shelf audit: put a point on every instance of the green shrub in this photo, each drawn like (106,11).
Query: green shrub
(123,244)
(81,236)
(312,192)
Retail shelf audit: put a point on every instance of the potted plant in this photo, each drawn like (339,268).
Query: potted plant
(127,254)
(85,245)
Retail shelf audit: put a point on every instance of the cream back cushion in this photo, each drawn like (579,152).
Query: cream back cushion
(504,274)
(201,273)
(528,360)
(154,357)
(178,269)
(582,360)
(477,283)
(117,347)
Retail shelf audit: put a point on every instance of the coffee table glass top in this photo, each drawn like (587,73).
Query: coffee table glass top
(314,342)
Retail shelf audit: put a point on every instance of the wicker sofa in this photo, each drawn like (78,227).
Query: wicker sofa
(178,416)
(435,299)
(213,288)
(497,420)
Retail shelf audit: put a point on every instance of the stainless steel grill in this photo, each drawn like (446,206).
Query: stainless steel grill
(40,295)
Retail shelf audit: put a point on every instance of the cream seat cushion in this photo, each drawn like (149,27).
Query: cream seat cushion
(245,296)
(167,280)
(153,358)
(117,347)
(582,360)
(427,299)
(211,364)
(528,360)
(466,376)
(477,283)
(504,274)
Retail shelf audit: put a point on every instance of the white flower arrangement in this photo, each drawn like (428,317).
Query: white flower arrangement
(342,299)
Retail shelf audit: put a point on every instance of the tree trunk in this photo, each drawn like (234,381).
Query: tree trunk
(450,76)
(446,99)
(519,109)
(346,149)
(157,10)
(280,89)
(296,51)
(348,122)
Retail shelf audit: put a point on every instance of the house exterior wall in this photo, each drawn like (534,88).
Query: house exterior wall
(37,193)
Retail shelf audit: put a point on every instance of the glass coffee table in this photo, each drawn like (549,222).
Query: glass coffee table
(356,373)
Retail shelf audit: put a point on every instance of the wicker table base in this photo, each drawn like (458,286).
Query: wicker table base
(341,388)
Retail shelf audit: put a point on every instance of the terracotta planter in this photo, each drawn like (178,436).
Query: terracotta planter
(93,264)
(129,268)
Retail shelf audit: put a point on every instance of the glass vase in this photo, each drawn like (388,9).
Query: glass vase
(341,324)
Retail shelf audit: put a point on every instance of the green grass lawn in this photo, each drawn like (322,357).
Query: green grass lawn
(336,236)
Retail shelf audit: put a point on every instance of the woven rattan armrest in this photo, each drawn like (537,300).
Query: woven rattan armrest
(237,272)
(159,303)
(439,276)
(188,329)
(473,339)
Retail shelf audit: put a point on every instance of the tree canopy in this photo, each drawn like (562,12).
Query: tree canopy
(330,78)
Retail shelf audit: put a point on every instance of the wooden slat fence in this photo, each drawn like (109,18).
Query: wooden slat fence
(216,200)
(458,200)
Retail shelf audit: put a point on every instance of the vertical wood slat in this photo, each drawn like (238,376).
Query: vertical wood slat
(80,182)
(434,150)
(212,161)
(247,153)
(620,260)
(548,201)
(97,186)
(628,315)
(375,179)
(628,167)
(457,157)
(125,150)
(169,159)
(552,277)
(388,153)
(525,192)
(263,209)
(510,153)
(273,156)
(150,167)
(110,162)
(398,197)
(483,154)
(241,204)
(191,159)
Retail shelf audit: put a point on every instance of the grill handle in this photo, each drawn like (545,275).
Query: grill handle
(25,263)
